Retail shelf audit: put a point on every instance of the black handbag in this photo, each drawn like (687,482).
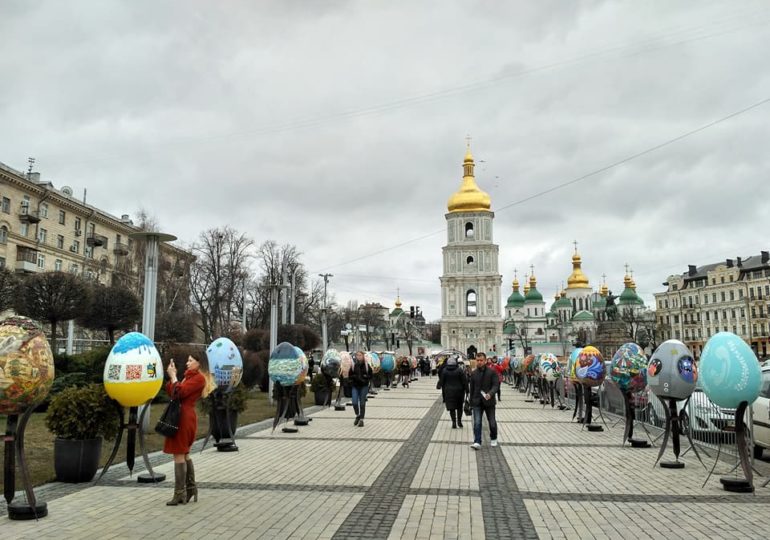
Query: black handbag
(467,407)
(168,423)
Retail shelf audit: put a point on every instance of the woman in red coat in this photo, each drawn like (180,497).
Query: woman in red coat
(197,383)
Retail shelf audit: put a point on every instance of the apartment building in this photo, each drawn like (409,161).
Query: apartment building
(728,296)
(43,228)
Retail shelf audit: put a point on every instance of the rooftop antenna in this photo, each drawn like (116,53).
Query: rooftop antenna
(31,162)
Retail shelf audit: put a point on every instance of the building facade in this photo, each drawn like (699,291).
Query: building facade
(728,296)
(45,229)
(471,311)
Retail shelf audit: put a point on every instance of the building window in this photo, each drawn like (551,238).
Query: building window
(743,312)
(666,304)
(42,236)
(732,313)
(77,223)
(60,241)
(743,329)
(44,210)
(714,297)
(469,260)
(678,335)
(74,268)
(89,252)
(2,262)
(753,312)
(740,293)
(470,303)
(62,217)
(24,229)
(41,261)
(676,319)
(707,316)
(732,295)
(731,279)
(6,207)
(705,299)
(3,235)
(57,265)
(723,296)
(469,230)
(75,248)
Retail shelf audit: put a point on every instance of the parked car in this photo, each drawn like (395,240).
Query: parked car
(707,421)
(761,412)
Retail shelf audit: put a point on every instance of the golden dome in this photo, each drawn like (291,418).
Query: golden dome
(515,284)
(469,198)
(532,281)
(577,280)
(628,282)
(604,290)
(398,301)
(526,285)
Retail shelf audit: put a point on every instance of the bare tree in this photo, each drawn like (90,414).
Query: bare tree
(52,297)
(370,316)
(409,331)
(218,277)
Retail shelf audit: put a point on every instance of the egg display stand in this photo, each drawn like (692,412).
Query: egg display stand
(542,391)
(628,431)
(587,395)
(555,395)
(388,379)
(220,407)
(338,406)
(329,389)
(578,414)
(733,483)
(529,398)
(674,422)
(286,398)
(133,426)
(14,446)
(371,393)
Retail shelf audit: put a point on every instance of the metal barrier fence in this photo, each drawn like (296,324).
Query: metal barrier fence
(85,345)
(711,428)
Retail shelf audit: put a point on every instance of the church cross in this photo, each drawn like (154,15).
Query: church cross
(575,244)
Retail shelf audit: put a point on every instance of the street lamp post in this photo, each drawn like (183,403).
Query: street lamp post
(149,305)
(323,312)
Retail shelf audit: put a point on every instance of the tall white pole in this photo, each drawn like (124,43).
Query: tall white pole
(284,295)
(273,331)
(150,286)
(243,315)
(293,294)
(323,330)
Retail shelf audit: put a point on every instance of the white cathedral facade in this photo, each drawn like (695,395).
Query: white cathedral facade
(473,317)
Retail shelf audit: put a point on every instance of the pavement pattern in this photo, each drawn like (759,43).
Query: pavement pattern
(408,474)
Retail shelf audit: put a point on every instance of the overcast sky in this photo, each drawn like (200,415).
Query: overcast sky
(340,127)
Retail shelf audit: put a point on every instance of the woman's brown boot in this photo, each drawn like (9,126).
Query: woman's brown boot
(192,488)
(180,477)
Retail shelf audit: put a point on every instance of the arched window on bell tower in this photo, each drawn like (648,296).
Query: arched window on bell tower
(470,303)
(469,230)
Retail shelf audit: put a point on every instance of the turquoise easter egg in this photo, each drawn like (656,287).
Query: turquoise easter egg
(330,363)
(388,363)
(288,365)
(729,371)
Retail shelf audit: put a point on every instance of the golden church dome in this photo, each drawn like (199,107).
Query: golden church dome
(469,198)
(577,280)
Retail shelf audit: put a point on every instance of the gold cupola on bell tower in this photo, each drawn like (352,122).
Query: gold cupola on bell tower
(469,198)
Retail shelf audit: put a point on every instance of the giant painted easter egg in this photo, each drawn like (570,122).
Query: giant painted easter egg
(373,359)
(672,371)
(729,371)
(589,367)
(527,364)
(516,365)
(26,365)
(330,363)
(413,360)
(629,368)
(550,368)
(225,363)
(286,366)
(346,364)
(572,363)
(133,372)
(388,363)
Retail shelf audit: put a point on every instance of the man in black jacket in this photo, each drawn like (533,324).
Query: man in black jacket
(360,375)
(483,387)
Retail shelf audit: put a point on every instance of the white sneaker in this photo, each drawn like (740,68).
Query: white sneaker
(476,446)
(494,442)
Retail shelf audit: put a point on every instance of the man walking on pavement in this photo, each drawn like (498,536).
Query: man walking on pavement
(483,387)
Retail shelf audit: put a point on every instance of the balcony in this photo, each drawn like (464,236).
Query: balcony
(120,248)
(28,216)
(26,260)
(95,240)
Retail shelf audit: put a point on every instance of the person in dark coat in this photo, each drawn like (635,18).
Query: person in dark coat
(405,371)
(483,387)
(453,386)
(360,377)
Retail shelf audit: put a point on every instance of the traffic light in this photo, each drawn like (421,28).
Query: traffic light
(494,347)
(411,312)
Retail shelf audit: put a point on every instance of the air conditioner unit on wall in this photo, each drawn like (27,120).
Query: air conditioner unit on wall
(73,249)
(78,232)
